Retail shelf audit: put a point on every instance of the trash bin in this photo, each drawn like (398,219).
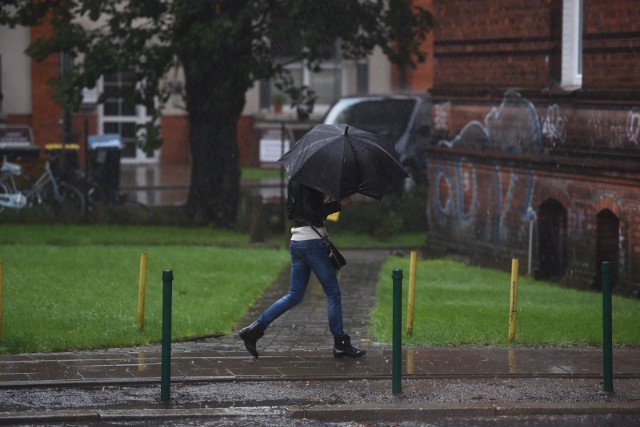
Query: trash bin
(104,163)
(17,144)
(63,159)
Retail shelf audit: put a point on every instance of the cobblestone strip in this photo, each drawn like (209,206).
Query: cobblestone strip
(305,327)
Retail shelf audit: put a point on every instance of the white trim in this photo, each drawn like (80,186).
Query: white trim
(139,118)
(571,75)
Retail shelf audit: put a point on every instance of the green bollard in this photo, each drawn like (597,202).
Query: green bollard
(396,372)
(607,339)
(167,279)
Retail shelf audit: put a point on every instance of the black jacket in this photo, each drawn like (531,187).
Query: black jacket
(306,206)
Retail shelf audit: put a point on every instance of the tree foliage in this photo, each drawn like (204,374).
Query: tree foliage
(223,47)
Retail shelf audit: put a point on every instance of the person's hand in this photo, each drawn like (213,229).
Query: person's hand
(345,201)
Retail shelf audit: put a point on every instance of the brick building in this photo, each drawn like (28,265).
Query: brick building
(537,145)
(537,129)
(27,100)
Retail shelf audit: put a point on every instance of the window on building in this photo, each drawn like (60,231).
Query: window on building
(572,23)
(328,83)
(119,114)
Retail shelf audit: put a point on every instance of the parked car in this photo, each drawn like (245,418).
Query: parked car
(405,120)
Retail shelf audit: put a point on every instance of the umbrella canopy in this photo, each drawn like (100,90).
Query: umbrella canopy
(340,160)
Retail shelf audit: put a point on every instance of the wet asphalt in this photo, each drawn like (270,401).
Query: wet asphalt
(296,380)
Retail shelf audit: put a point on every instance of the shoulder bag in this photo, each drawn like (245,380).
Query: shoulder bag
(335,256)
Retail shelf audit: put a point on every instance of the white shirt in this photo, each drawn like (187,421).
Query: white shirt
(306,233)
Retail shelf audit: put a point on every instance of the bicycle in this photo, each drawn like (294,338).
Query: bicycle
(46,192)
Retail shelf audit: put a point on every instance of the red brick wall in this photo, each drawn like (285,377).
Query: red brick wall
(496,43)
(248,145)
(589,140)
(19,119)
(175,135)
(478,204)
(420,78)
(611,41)
(46,114)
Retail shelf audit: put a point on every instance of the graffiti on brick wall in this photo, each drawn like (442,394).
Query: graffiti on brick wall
(608,130)
(457,193)
(554,125)
(515,127)
(441,116)
(498,130)
(633,127)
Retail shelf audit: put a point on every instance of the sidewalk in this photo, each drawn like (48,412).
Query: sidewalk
(140,366)
(297,348)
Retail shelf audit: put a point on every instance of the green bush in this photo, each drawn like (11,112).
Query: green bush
(405,213)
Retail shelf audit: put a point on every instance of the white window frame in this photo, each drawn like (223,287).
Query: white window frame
(571,71)
(337,67)
(141,117)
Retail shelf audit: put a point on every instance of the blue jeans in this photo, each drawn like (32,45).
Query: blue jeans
(307,256)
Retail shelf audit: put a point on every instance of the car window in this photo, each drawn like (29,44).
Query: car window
(386,117)
(423,121)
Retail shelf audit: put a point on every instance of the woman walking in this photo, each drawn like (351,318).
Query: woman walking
(308,208)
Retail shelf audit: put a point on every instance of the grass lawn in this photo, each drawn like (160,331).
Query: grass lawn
(69,295)
(76,286)
(72,235)
(459,305)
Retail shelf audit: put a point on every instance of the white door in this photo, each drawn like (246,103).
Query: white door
(119,115)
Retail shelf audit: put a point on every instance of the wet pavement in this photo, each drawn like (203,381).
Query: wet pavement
(297,346)
(296,380)
(297,376)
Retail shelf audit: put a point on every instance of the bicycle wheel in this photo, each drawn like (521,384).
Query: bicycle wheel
(72,204)
(73,201)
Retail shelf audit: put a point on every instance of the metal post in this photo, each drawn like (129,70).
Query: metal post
(1,295)
(396,373)
(167,280)
(607,341)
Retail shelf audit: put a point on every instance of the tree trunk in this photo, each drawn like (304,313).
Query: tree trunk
(214,107)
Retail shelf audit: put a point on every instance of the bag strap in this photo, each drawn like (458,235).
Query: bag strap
(318,233)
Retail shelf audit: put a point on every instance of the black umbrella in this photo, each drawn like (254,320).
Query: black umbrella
(340,160)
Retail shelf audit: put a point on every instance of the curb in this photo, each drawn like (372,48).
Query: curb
(148,414)
(417,411)
(93,383)
(329,413)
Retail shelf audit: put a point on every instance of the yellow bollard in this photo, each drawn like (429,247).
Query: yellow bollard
(141,289)
(412,291)
(1,297)
(514,299)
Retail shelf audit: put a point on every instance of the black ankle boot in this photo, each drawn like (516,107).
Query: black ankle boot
(250,336)
(342,347)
